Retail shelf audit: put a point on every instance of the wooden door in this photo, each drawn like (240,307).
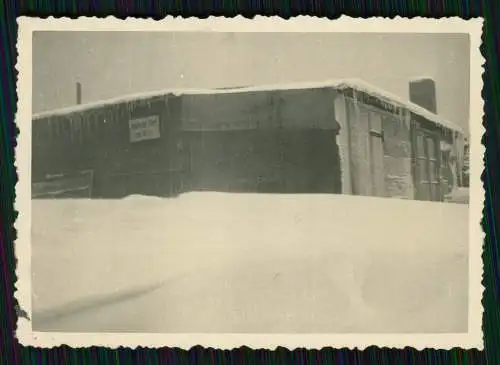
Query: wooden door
(377,156)
(432,149)
(426,166)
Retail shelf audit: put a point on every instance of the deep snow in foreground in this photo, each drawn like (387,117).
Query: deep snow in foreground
(208,262)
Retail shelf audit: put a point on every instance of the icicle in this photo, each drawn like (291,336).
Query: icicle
(65,127)
(77,127)
(73,126)
(92,127)
(81,125)
(73,129)
(86,127)
(57,127)
(49,129)
(111,118)
(69,123)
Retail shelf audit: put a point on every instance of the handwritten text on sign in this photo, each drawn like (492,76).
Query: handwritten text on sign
(144,128)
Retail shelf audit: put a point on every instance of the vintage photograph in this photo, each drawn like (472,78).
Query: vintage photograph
(257,182)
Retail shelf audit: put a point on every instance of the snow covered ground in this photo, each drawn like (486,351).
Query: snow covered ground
(459,195)
(210,262)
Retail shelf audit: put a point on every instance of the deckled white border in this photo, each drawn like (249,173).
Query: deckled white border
(26,336)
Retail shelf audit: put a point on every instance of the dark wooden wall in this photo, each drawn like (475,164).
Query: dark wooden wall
(99,140)
(273,161)
(277,160)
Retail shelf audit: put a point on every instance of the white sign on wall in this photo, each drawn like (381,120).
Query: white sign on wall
(144,128)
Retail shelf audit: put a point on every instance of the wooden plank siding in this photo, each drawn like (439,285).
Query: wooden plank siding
(281,141)
(288,146)
(427,160)
(99,140)
(379,150)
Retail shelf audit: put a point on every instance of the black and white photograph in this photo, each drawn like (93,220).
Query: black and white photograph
(252,182)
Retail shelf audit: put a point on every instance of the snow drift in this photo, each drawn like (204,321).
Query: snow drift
(213,262)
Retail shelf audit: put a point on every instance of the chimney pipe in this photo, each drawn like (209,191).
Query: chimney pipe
(423,93)
(78,93)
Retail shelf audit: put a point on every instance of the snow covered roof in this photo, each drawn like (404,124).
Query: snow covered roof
(342,84)
(406,104)
(420,78)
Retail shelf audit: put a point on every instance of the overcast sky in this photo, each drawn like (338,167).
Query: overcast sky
(110,64)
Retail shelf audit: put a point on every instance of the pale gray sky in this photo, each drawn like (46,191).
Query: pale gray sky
(110,64)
